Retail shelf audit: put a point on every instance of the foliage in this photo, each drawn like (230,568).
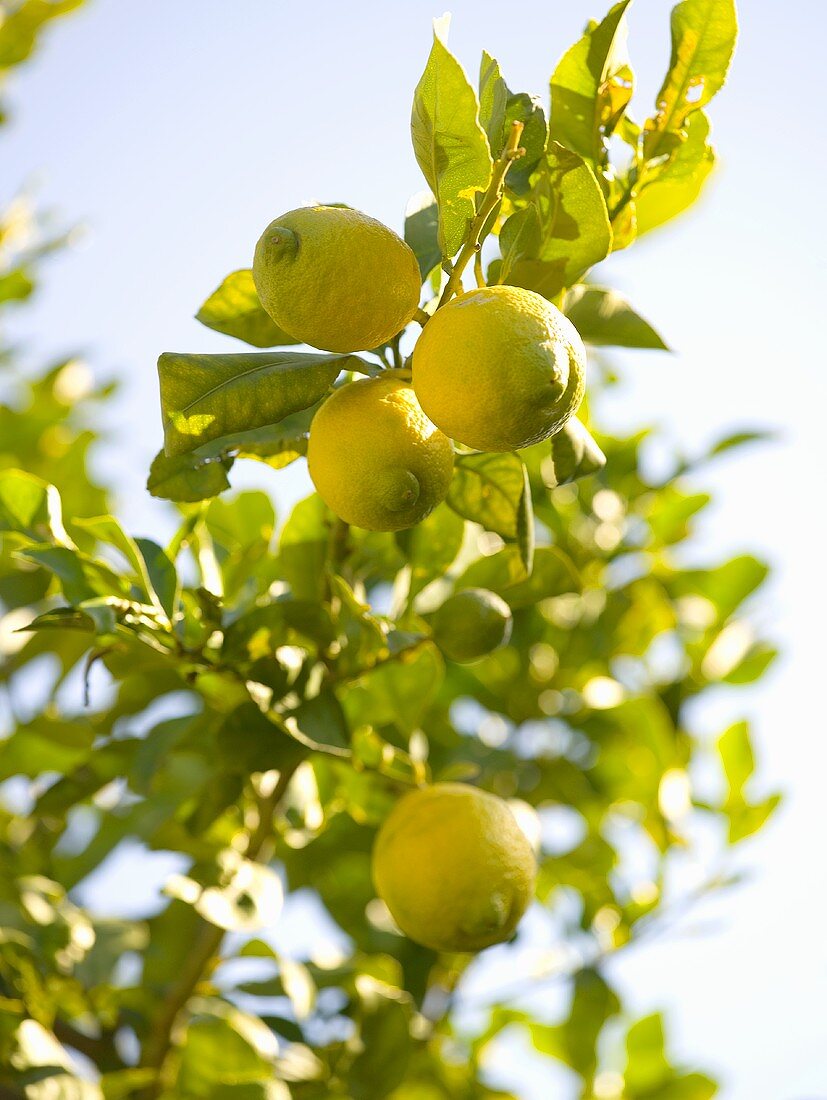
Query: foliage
(262,689)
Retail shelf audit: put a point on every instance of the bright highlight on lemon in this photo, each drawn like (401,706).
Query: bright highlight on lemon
(499,368)
(336,279)
(375,458)
(471,624)
(453,867)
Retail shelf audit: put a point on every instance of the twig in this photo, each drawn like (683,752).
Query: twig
(473,242)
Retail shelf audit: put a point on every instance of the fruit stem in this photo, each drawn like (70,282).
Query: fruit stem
(492,196)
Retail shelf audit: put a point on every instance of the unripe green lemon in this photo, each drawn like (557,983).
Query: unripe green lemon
(375,458)
(336,279)
(453,867)
(499,368)
(471,623)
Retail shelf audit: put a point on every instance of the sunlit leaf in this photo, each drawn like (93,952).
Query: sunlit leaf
(604,317)
(234,309)
(450,145)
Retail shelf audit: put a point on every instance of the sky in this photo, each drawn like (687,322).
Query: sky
(174,132)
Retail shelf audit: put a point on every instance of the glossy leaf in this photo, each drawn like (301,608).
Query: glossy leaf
(422,232)
(205,397)
(674,186)
(573,453)
(186,478)
(488,489)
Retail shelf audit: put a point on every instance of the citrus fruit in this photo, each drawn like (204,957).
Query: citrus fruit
(499,368)
(453,867)
(375,458)
(471,623)
(336,279)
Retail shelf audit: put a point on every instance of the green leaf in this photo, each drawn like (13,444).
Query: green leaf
(703,42)
(30,508)
(738,439)
(431,547)
(45,745)
(397,692)
(525,525)
(422,232)
(735,750)
(488,489)
(205,397)
(223,1044)
(591,88)
(247,896)
(15,286)
(304,547)
(449,143)
(499,107)
(234,309)
(187,478)
(153,570)
(604,318)
(80,576)
(571,232)
(671,188)
(320,723)
(504,573)
(573,454)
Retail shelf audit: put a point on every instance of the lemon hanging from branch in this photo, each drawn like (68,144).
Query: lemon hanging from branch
(335,278)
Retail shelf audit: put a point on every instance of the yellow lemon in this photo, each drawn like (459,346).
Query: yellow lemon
(336,279)
(471,623)
(375,458)
(499,368)
(454,867)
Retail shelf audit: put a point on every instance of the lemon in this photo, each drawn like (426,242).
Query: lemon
(499,368)
(454,868)
(375,458)
(471,623)
(336,279)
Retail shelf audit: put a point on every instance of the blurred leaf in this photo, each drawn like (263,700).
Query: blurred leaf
(450,145)
(431,546)
(234,309)
(205,397)
(45,745)
(22,24)
(703,41)
(304,546)
(397,692)
(223,1044)
(738,439)
(422,232)
(30,508)
(80,576)
(504,573)
(605,318)
(726,586)
(575,1041)
(248,897)
(591,88)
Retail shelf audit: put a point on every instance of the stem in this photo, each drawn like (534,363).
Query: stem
(492,196)
(478,274)
(204,954)
(421,317)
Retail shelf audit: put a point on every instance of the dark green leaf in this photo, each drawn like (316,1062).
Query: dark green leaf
(234,309)
(422,232)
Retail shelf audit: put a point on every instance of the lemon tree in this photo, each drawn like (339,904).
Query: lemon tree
(380,703)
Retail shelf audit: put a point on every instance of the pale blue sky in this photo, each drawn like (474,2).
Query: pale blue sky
(177,130)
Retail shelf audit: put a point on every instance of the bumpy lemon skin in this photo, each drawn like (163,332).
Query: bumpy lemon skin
(375,458)
(453,867)
(335,278)
(499,368)
(471,624)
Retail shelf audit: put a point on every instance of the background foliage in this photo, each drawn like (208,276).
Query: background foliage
(296,650)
